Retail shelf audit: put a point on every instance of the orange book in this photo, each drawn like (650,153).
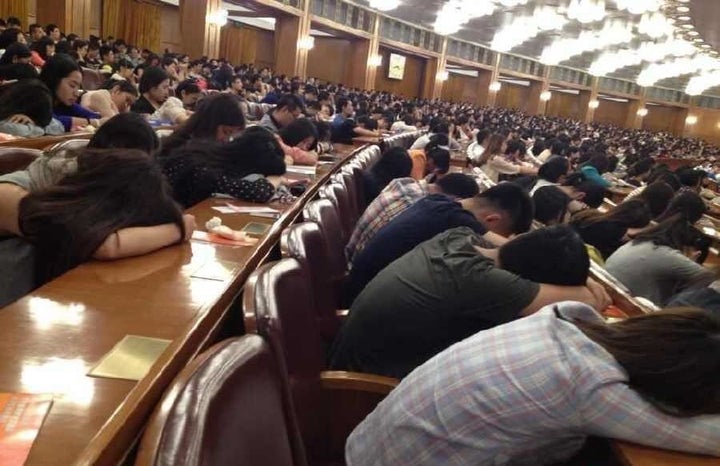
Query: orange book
(21,416)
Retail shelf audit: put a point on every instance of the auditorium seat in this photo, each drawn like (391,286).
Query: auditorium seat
(229,406)
(325,215)
(339,196)
(305,243)
(70,144)
(92,80)
(278,304)
(353,180)
(16,158)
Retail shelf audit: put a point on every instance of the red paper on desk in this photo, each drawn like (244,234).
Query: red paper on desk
(21,416)
(213,238)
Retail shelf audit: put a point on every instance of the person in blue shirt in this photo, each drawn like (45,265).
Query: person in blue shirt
(62,75)
(503,210)
(594,168)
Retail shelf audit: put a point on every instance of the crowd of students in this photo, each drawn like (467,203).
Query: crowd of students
(478,299)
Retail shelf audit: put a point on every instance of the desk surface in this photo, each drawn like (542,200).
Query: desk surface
(54,336)
(630,454)
(45,141)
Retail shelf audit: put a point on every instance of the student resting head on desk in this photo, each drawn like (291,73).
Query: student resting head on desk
(496,213)
(453,286)
(531,391)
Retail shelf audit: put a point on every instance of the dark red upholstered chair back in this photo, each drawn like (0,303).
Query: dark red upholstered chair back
(229,406)
(325,214)
(339,196)
(92,80)
(352,174)
(306,243)
(15,158)
(279,297)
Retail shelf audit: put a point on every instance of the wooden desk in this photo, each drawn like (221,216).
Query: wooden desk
(630,454)
(618,193)
(51,338)
(45,141)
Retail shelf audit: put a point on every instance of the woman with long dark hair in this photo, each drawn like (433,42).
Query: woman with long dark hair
(62,75)
(218,118)
(656,266)
(238,168)
(608,231)
(116,205)
(532,391)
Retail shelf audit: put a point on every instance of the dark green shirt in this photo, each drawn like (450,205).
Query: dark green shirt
(438,294)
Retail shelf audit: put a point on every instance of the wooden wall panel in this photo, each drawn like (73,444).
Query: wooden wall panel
(512,96)
(328,59)
(32,14)
(96,17)
(707,126)
(565,106)
(170,37)
(459,88)
(411,85)
(612,113)
(265,52)
(664,118)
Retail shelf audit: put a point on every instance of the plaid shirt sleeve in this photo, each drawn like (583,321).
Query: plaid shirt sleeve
(395,198)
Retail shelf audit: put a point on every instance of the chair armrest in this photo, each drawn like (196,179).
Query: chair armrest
(357,381)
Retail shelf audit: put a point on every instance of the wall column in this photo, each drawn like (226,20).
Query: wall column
(290,58)
(585,98)
(360,72)
(486,79)
(71,16)
(432,82)
(681,128)
(633,120)
(200,37)
(535,105)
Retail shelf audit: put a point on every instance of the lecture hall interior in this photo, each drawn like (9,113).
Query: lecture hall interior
(362,232)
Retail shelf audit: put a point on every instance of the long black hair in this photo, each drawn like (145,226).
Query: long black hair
(212,112)
(29,97)
(112,189)
(57,68)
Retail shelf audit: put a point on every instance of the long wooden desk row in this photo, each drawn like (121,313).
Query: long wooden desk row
(51,338)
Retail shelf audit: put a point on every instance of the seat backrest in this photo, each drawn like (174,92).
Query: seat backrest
(356,188)
(229,406)
(16,158)
(337,193)
(305,242)
(280,297)
(70,144)
(92,80)
(324,213)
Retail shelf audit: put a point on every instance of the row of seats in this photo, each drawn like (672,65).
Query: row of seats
(277,373)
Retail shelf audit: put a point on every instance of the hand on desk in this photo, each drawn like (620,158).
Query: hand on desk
(190,226)
(600,296)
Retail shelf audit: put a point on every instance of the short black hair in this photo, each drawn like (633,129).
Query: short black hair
(291,102)
(152,77)
(459,185)
(690,177)
(126,131)
(551,204)
(555,255)
(512,199)
(554,169)
(441,158)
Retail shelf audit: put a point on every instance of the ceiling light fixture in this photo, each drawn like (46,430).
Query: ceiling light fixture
(682,9)
(586,11)
(455,13)
(638,7)
(384,5)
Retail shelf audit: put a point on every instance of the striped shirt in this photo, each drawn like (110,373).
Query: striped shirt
(524,393)
(397,196)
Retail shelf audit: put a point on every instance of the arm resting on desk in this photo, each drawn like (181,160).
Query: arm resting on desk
(616,411)
(136,241)
(10,196)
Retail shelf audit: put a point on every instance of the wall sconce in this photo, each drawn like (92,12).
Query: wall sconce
(495,86)
(306,43)
(642,112)
(545,96)
(218,18)
(443,75)
(594,104)
(691,120)
(375,60)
